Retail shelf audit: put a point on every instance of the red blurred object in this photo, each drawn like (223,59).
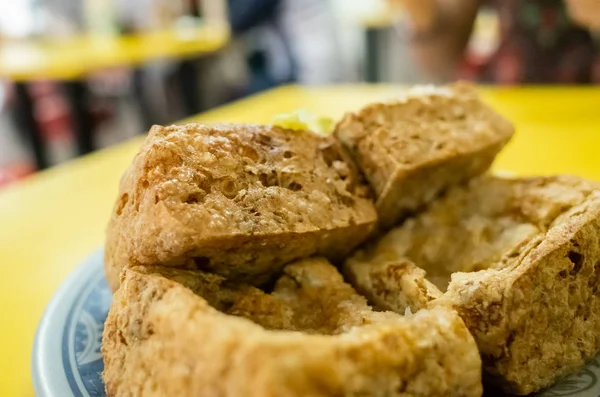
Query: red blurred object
(53,113)
(15,172)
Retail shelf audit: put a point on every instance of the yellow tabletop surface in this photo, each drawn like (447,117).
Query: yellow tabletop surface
(50,222)
(74,57)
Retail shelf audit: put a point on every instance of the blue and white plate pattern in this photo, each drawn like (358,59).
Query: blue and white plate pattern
(66,353)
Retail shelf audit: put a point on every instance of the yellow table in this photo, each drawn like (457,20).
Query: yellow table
(74,57)
(52,221)
(71,59)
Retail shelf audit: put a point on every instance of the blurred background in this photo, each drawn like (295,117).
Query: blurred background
(79,75)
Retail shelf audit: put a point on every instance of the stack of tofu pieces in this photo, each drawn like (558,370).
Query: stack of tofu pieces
(381,260)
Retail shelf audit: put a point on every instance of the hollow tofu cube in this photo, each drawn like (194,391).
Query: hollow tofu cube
(192,333)
(518,259)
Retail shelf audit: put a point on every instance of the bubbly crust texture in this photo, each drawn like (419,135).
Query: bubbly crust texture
(238,200)
(413,148)
(173,332)
(523,257)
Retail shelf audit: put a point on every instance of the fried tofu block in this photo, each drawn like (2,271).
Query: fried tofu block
(414,148)
(519,259)
(173,332)
(237,200)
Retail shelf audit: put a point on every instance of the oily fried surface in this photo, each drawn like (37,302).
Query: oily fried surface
(534,306)
(413,148)
(188,333)
(237,200)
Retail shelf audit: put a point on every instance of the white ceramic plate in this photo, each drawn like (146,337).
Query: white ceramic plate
(66,353)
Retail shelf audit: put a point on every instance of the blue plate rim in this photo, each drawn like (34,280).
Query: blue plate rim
(48,374)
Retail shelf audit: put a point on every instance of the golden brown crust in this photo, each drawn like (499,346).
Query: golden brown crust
(414,148)
(537,319)
(534,309)
(313,336)
(239,200)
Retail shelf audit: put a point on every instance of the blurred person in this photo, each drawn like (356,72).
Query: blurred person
(294,40)
(540,41)
(266,58)
(308,27)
